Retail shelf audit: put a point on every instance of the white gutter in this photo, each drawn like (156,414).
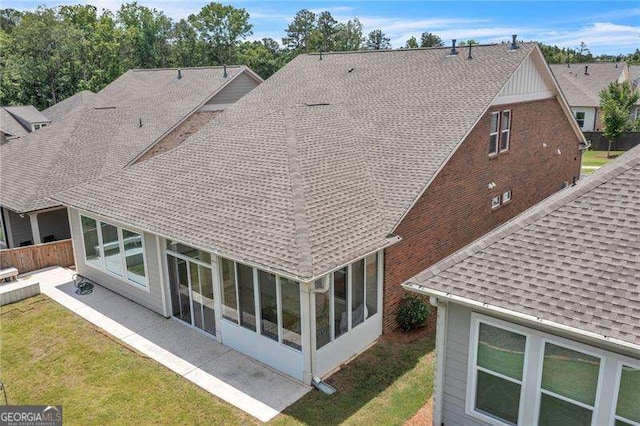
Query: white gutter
(441,341)
(524,317)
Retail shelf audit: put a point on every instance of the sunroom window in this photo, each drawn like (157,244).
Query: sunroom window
(628,404)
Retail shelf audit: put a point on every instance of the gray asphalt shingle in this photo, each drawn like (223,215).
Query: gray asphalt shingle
(573,259)
(315,166)
(582,89)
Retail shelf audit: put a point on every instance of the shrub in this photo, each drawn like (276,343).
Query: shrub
(412,313)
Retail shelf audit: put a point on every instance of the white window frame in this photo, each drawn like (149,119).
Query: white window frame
(496,134)
(495,205)
(574,346)
(614,416)
(608,376)
(507,131)
(506,196)
(102,267)
(578,120)
(472,368)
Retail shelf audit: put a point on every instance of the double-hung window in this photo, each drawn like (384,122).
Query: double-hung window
(115,250)
(580,119)
(500,132)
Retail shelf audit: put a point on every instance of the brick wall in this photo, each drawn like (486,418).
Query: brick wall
(456,208)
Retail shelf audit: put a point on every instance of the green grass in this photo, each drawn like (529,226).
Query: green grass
(385,385)
(597,159)
(51,356)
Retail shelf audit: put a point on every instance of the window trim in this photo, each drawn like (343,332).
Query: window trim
(472,367)
(102,264)
(496,134)
(507,131)
(504,199)
(496,206)
(616,392)
(583,119)
(574,346)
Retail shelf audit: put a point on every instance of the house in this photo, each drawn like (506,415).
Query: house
(18,121)
(582,83)
(539,320)
(140,114)
(286,228)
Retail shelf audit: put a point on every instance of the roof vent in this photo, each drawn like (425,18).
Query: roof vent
(568,65)
(514,45)
(586,70)
(224,71)
(469,57)
(140,124)
(320,55)
(179,74)
(350,70)
(616,65)
(453,48)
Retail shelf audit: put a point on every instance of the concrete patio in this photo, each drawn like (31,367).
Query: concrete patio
(225,373)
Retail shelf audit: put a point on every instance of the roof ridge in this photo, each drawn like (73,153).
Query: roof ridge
(533,214)
(447,47)
(305,260)
(212,67)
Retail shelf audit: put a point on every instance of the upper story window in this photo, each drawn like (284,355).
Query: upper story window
(500,132)
(115,250)
(580,119)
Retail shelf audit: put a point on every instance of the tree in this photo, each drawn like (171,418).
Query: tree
(430,40)
(299,32)
(145,36)
(326,31)
(412,43)
(470,42)
(221,28)
(9,18)
(616,102)
(377,40)
(186,48)
(348,36)
(263,57)
(583,51)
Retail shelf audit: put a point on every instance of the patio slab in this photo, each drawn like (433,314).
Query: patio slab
(229,375)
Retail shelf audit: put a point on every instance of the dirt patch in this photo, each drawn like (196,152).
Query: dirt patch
(424,416)
(428,331)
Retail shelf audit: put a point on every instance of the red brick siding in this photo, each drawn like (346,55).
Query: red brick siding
(456,208)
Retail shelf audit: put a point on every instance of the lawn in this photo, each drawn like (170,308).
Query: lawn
(50,356)
(592,159)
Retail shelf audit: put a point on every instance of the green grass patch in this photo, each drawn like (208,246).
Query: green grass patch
(597,159)
(385,385)
(50,356)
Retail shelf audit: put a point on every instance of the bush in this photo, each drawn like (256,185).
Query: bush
(412,313)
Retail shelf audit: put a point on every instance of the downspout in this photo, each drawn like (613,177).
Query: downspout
(441,339)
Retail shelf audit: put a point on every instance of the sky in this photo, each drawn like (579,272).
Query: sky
(607,27)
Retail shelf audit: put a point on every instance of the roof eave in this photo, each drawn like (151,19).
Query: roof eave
(530,319)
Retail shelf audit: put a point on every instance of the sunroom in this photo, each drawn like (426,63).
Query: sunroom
(303,329)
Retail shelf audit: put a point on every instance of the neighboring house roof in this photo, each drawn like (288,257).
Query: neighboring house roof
(582,89)
(15,121)
(126,117)
(66,106)
(571,260)
(634,74)
(313,168)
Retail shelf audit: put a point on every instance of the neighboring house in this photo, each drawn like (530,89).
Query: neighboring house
(581,84)
(140,114)
(66,106)
(286,228)
(18,121)
(539,320)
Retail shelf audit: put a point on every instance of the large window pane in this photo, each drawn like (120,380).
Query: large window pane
(229,296)
(498,397)
(291,327)
(134,256)
(554,412)
(372,284)
(208,305)
(268,305)
(91,243)
(196,294)
(180,282)
(189,251)
(340,306)
(323,322)
(246,296)
(629,394)
(501,351)
(111,245)
(357,293)
(570,373)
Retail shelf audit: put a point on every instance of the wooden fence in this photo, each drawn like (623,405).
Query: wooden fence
(31,258)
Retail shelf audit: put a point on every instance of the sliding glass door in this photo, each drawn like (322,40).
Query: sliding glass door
(191,285)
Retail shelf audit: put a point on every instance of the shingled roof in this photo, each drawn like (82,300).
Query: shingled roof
(572,259)
(15,121)
(314,167)
(66,106)
(123,120)
(582,89)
